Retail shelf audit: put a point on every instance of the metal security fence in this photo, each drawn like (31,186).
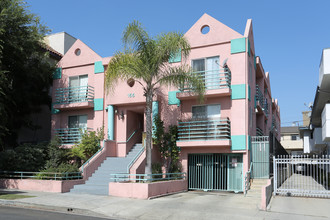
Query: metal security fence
(260,157)
(302,176)
(219,172)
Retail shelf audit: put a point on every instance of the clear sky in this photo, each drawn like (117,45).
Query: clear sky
(289,35)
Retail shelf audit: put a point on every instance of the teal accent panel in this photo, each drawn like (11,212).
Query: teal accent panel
(98,104)
(111,122)
(98,67)
(175,57)
(249,92)
(172,99)
(238,91)
(238,142)
(53,110)
(57,73)
(238,45)
(249,47)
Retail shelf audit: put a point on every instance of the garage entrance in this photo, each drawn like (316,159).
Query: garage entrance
(219,172)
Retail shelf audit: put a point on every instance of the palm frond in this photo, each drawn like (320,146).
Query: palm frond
(135,37)
(180,77)
(122,67)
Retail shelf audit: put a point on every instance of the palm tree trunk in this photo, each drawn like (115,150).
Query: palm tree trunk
(149,133)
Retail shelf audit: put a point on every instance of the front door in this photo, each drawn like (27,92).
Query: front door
(235,172)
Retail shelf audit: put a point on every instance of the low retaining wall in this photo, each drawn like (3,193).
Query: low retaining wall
(266,194)
(60,186)
(146,190)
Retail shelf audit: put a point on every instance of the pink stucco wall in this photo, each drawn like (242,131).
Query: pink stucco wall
(40,185)
(75,65)
(146,190)
(266,194)
(129,102)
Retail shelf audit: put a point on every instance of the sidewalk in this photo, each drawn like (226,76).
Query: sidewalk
(190,205)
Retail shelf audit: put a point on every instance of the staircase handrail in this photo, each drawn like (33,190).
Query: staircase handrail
(135,159)
(129,138)
(87,161)
(247,178)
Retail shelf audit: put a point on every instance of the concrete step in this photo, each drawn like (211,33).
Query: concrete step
(98,183)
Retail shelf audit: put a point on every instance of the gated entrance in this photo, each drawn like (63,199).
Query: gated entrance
(260,157)
(302,176)
(215,172)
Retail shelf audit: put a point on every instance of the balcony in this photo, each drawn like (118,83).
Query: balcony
(204,132)
(217,83)
(261,102)
(74,97)
(70,135)
(259,132)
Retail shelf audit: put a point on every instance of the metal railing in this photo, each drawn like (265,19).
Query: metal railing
(94,155)
(265,107)
(301,175)
(125,177)
(247,179)
(259,96)
(40,175)
(213,79)
(135,159)
(259,132)
(204,129)
(74,94)
(70,135)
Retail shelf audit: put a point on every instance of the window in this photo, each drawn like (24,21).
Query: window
(208,69)
(206,111)
(78,91)
(295,137)
(78,121)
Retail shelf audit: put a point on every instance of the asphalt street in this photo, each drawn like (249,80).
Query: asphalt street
(14,213)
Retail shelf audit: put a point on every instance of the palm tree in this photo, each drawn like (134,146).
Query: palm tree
(145,59)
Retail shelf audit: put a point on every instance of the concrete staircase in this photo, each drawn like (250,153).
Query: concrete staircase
(255,191)
(98,183)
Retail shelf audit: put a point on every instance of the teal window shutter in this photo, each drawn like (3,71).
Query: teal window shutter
(57,74)
(238,142)
(175,58)
(238,91)
(53,110)
(98,67)
(98,104)
(238,45)
(172,99)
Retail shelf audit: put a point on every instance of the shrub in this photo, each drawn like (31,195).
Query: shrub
(62,169)
(26,157)
(88,146)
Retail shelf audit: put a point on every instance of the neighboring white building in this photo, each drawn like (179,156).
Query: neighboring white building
(317,135)
(291,141)
(61,41)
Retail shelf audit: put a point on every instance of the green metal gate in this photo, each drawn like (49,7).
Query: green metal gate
(260,157)
(215,172)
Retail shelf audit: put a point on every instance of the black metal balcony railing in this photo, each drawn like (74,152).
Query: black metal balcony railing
(259,96)
(259,132)
(213,79)
(70,135)
(74,94)
(204,129)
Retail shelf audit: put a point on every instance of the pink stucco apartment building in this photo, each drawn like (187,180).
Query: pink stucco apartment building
(214,136)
